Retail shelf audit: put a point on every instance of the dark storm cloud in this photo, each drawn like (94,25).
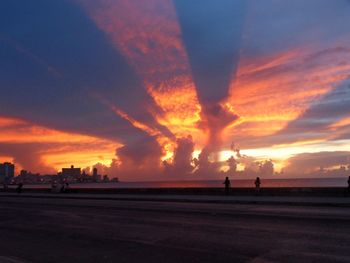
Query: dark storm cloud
(42,38)
(211,31)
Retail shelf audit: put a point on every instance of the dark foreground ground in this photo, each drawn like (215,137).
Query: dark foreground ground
(73,230)
(235,191)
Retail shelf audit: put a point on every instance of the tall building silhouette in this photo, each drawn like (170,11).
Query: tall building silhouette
(95,176)
(7,171)
(71,173)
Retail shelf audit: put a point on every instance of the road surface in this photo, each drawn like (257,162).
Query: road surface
(74,230)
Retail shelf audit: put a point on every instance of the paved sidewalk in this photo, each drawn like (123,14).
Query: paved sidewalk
(277,200)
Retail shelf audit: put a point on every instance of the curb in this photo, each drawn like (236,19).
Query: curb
(185,200)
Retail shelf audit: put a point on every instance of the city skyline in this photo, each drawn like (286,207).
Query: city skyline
(173,90)
(71,174)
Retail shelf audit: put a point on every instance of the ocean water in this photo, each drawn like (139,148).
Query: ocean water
(245,183)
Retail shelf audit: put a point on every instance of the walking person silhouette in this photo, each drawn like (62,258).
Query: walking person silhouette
(227,184)
(257,185)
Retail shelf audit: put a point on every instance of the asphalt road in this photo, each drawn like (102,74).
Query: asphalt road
(65,230)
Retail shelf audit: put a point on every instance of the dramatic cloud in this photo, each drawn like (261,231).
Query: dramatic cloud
(315,94)
(288,63)
(146,89)
(147,34)
(182,163)
(91,72)
(27,155)
(212,33)
(44,150)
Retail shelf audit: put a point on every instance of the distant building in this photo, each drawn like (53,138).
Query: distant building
(95,176)
(28,177)
(71,174)
(105,178)
(7,171)
(115,180)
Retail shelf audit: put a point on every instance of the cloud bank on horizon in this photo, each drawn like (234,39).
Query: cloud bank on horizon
(160,88)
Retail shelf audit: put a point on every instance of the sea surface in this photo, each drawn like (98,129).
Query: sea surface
(245,183)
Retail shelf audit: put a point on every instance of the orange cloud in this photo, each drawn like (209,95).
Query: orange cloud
(148,35)
(54,148)
(135,123)
(19,131)
(269,92)
(87,156)
(342,123)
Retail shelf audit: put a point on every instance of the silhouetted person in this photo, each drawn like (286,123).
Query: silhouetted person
(349,184)
(227,184)
(257,184)
(19,188)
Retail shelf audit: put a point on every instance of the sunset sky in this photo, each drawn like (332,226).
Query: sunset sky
(141,88)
